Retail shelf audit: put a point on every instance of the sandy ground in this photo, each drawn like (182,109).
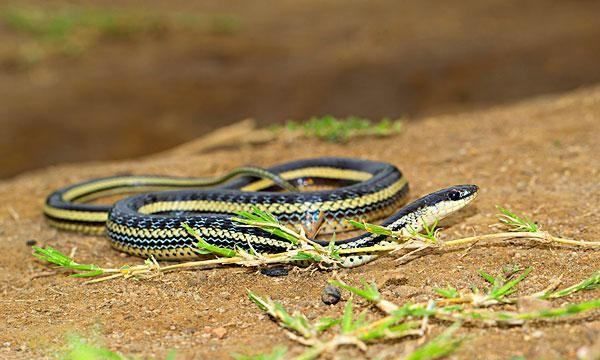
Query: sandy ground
(539,157)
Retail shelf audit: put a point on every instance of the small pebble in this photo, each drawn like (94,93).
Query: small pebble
(331,295)
(220,332)
(31,242)
(274,271)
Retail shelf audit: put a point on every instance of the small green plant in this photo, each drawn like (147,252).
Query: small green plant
(515,222)
(330,128)
(501,287)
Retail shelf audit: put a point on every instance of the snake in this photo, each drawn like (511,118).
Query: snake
(149,222)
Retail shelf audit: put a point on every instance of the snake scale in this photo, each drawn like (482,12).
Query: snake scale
(149,223)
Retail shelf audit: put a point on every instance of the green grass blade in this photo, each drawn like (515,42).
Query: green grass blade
(347,318)
(448,292)
(371,228)
(206,248)
(508,287)
(53,256)
(592,282)
(439,347)
(278,353)
(368,292)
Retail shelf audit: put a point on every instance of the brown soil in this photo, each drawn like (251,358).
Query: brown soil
(286,59)
(539,157)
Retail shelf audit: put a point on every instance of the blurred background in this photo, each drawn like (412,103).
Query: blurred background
(100,80)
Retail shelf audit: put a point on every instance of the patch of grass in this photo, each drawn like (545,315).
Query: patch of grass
(67,28)
(348,329)
(79,348)
(330,128)
(70,30)
(400,321)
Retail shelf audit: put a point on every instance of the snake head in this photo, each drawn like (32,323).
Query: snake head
(461,192)
(442,203)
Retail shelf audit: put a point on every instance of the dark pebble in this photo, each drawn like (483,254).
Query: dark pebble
(331,295)
(31,242)
(274,271)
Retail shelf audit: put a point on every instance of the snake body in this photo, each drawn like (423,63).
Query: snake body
(150,224)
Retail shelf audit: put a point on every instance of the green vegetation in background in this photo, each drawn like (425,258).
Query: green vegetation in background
(332,129)
(70,30)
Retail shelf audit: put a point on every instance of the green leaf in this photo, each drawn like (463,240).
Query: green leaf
(325,323)
(438,347)
(260,302)
(206,248)
(88,274)
(592,282)
(266,222)
(515,222)
(371,228)
(448,292)
(278,353)
(306,256)
(368,292)
(347,318)
(53,256)
(487,277)
(507,288)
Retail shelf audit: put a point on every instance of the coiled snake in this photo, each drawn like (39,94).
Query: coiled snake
(150,224)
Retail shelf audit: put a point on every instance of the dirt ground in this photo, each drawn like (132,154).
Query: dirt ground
(539,157)
(126,97)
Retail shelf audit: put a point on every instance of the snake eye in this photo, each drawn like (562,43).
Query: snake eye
(455,195)
(461,192)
